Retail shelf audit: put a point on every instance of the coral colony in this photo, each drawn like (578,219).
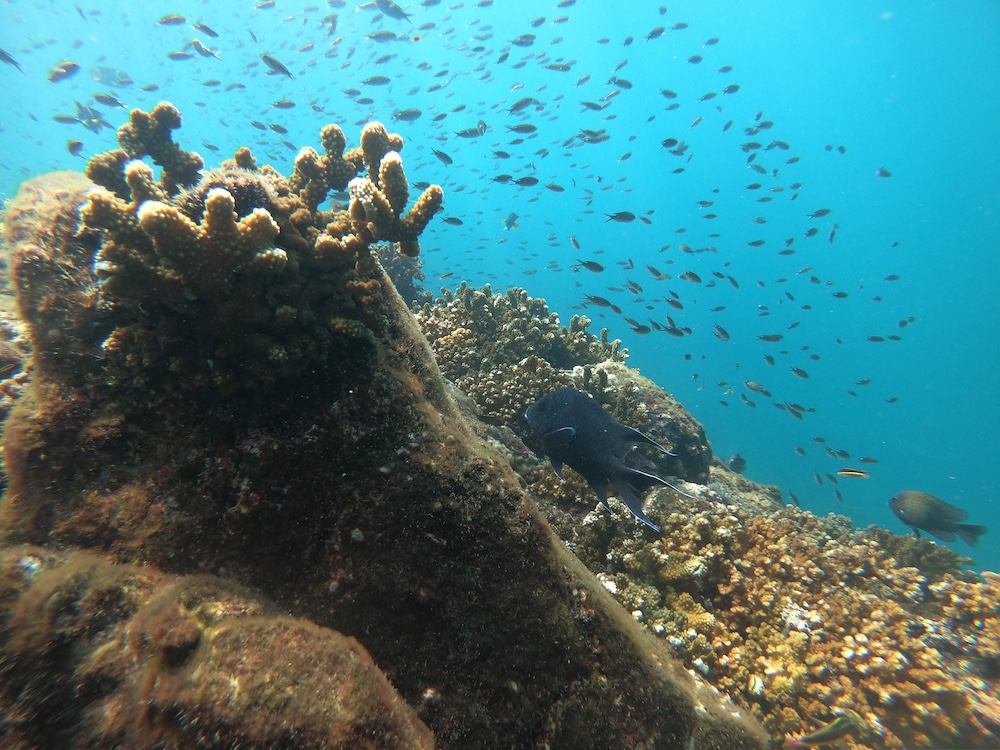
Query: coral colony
(245,506)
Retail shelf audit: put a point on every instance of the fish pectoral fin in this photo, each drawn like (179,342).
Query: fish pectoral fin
(556,466)
(630,488)
(631,436)
(562,432)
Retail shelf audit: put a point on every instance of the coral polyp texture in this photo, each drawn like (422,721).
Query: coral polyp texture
(233,280)
(799,617)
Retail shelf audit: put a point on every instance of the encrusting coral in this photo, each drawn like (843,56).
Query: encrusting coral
(798,616)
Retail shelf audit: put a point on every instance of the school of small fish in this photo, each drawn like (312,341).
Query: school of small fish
(268,74)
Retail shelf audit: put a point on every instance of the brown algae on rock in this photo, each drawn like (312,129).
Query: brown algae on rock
(249,399)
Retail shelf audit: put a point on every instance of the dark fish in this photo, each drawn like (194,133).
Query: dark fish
(819,213)
(522,129)
(770,338)
(380,37)
(276,66)
(406,115)
(737,463)
(591,265)
(622,217)
(210,33)
(74,147)
(921,511)
(883,172)
(721,333)
(453,220)
(442,156)
(177,56)
(392,10)
(5,57)
(511,221)
(575,430)
(526,181)
(377,81)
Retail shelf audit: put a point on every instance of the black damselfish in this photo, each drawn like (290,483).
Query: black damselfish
(575,430)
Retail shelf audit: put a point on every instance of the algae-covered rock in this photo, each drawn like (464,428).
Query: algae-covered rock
(353,495)
(100,656)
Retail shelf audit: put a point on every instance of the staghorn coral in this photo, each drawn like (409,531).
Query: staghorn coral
(236,284)
(149,134)
(378,199)
(101,655)
(797,616)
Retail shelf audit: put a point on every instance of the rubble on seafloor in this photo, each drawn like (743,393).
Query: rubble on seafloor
(228,401)
(794,616)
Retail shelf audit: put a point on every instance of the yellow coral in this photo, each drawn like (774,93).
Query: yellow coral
(219,245)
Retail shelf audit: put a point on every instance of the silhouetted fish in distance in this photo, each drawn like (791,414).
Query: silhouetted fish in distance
(737,463)
(921,511)
(576,430)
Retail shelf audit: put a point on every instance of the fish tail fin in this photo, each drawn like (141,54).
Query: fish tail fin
(970,532)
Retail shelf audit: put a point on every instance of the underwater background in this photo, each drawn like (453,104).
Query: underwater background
(846,89)
(241,497)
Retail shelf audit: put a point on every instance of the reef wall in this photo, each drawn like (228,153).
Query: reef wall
(226,384)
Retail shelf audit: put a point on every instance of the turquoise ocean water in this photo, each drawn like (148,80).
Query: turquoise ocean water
(848,88)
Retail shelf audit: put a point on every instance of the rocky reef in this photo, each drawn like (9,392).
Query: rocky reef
(142,659)
(236,480)
(795,617)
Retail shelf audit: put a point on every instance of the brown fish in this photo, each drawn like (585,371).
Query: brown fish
(63,70)
(921,511)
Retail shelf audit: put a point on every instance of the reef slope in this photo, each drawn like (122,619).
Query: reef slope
(226,384)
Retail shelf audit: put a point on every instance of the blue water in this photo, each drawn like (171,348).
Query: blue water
(906,86)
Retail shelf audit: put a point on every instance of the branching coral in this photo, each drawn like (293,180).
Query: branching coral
(378,199)
(237,282)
